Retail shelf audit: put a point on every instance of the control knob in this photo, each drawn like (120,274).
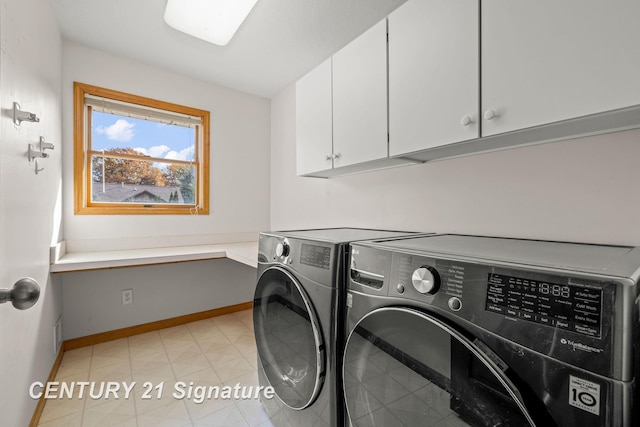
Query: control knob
(282,249)
(426,280)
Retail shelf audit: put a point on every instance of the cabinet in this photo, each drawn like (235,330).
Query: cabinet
(455,78)
(433,74)
(314,134)
(545,61)
(360,99)
(341,110)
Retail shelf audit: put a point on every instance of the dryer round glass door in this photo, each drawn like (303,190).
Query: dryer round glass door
(403,367)
(288,338)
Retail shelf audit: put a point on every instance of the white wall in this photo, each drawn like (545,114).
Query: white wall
(583,190)
(30,74)
(92,300)
(239,149)
(239,203)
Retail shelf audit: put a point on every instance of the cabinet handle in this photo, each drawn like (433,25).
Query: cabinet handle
(336,156)
(329,158)
(490,114)
(466,121)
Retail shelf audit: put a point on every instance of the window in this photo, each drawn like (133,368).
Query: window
(136,155)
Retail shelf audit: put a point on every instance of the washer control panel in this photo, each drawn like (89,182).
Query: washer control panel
(567,315)
(565,306)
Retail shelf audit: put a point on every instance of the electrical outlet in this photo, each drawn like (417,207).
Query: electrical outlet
(127,296)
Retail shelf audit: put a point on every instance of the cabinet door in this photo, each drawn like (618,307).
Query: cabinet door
(546,60)
(433,74)
(360,99)
(314,120)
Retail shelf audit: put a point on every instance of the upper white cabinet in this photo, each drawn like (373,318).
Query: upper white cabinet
(433,74)
(314,121)
(457,77)
(360,99)
(544,61)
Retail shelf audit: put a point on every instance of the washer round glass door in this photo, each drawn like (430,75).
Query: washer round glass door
(403,367)
(288,338)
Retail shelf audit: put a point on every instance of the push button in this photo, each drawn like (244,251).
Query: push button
(455,303)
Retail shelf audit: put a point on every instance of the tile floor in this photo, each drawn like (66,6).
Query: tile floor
(219,352)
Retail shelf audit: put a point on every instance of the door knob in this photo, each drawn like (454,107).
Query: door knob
(23,295)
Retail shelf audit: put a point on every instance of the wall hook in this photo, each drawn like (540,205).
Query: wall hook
(37,168)
(32,153)
(45,145)
(22,116)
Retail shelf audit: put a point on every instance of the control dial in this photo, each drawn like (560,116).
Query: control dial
(282,249)
(426,280)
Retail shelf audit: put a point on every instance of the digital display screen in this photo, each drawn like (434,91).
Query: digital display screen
(315,256)
(574,308)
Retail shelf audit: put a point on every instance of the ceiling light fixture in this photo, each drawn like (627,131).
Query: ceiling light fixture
(215,21)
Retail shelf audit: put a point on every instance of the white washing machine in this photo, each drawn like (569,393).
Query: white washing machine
(297,315)
(451,330)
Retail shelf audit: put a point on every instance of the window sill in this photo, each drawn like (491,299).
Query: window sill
(243,252)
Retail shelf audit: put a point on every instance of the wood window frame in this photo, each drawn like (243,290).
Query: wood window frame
(82,158)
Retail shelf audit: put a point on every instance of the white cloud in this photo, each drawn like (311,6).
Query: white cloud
(185,154)
(121,130)
(155,151)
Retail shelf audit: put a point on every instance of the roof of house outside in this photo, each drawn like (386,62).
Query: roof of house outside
(122,193)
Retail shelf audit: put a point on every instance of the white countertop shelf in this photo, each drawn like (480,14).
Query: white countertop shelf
(243,252)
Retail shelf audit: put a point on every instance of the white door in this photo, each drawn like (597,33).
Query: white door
(360,99)
(546,60)
(433,74)
(314,139)
(30,74)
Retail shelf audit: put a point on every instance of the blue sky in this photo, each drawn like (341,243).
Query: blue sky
(150,138)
